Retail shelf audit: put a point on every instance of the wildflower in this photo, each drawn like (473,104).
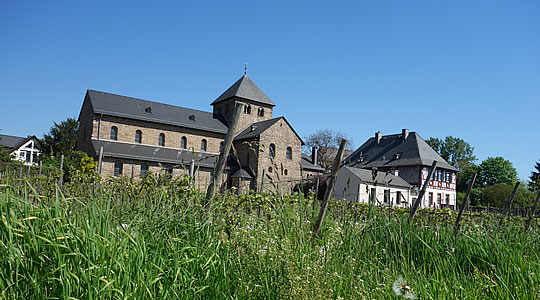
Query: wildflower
(403,289)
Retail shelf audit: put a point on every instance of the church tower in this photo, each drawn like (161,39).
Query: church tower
(258,107)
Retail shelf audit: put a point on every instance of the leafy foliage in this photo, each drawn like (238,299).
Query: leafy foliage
(496,170)
(535,178)
(61,138)
(497,196)
(455,151)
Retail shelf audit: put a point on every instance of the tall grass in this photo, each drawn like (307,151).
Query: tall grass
(155,240)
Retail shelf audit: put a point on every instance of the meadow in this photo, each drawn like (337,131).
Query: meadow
(154,239)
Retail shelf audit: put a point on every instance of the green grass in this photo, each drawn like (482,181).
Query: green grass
(155,240)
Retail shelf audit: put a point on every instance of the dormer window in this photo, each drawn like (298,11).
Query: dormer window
(148,110)
(192,117)
(247,109)
(260,112)
(183,142)
(138,136)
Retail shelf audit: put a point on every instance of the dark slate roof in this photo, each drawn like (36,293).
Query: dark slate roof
(158,154)
(10,141)
(382,177)
(241,173)
(246,89)
(413,151)
(133,108)
(306,163)
(255,129)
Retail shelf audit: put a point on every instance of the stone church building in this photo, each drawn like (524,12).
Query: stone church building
(132,136)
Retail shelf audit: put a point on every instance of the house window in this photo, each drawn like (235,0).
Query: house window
(387,197)
(270,169)
(398,197)
(203,145)
(247,109)
(260,112)
(138,136)
(289,153)
(272,151)
(161,141)
(22,154)
(28,156)
(372,195)
(285,172)
(118,166)
(183,142)
(430,199)
(439,197)
(114,133)
(144,169)
(447,200)
(221,147)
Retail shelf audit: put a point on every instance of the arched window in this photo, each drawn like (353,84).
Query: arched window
(288,154)
(114,133)
(203,145)
(247,109)
(270,169)
(260,112)
(183,142)
(272,151)
(285,172)
(221,147)
(138,136)
(161,140)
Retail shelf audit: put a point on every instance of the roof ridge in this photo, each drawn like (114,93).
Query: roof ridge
(150,101)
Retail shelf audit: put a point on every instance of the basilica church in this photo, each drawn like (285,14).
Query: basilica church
(132,137)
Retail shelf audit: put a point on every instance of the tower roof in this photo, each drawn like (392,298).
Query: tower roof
(245,88)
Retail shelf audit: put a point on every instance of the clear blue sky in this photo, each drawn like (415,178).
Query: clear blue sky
(470,69)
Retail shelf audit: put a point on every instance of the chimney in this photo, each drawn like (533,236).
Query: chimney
(378,136)
(314,153)
(404,134)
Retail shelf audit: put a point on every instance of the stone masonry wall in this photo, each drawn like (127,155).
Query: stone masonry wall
(282,136)
(150,133)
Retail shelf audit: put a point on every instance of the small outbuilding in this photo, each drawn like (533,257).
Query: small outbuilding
(367,186)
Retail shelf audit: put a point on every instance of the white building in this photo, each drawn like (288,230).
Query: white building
(22,149)
(408,156)
(363,186)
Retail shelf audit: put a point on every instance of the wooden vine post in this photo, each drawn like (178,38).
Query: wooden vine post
(423,191)
(224,154)
(330,186)
(533,212)
(509,203)
(464,204)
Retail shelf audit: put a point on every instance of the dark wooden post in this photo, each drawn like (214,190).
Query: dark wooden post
(61,179)
(224,154)
(464,204)
(423,191)
(509,203)
(330,186)
(261,188)
(533,212)
(100,160)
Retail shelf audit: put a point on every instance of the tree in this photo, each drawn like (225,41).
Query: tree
(455,151)
(61,139)
(327,141)
(496,170)
(458,153)
(497,196)
(4,154)
(535,178)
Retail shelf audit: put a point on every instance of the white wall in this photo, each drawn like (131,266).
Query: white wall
(350,188)
(27,153)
